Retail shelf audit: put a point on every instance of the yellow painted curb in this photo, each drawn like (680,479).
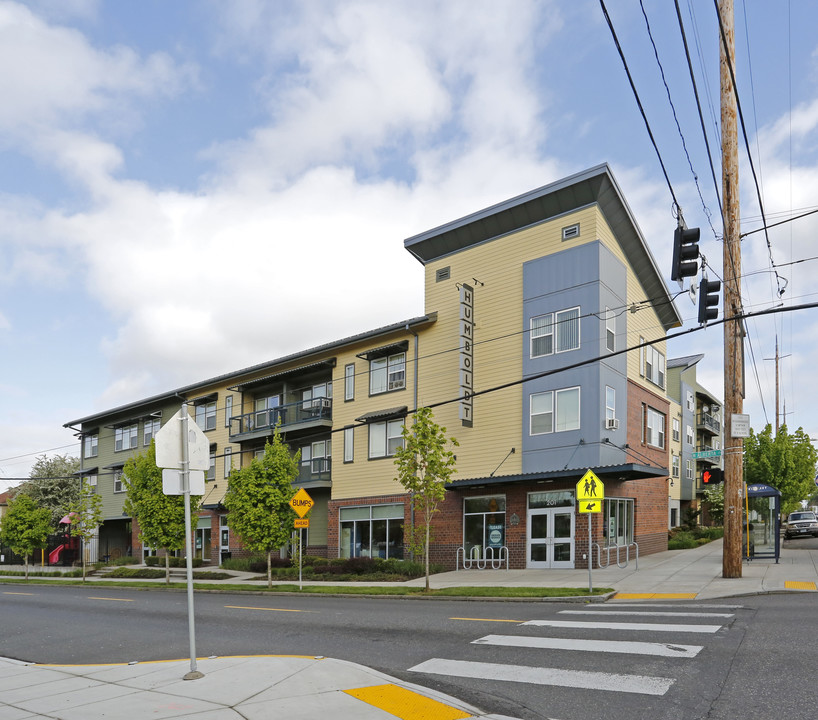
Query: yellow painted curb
(799,585)
(654,596)
(405,704)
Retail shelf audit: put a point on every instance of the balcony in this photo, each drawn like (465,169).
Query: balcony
(708,423)
(712,459)
(315,473)
(302,414)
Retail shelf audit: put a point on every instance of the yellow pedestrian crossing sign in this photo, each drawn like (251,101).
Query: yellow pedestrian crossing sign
(590,493)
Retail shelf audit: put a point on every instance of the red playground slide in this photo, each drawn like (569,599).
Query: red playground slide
(54,555)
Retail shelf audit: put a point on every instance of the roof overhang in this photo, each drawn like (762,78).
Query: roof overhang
(595,186)
(624,472)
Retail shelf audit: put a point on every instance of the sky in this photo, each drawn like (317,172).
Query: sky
(184,184)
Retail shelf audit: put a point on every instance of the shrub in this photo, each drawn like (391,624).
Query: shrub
(175,562)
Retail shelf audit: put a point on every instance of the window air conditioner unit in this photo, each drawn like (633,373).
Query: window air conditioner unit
(611,424)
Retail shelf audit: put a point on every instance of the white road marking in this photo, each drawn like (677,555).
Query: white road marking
(651,613)
(604,646)
(652,627)
(638,684)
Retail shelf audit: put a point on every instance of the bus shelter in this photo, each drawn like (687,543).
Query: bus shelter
(761,536)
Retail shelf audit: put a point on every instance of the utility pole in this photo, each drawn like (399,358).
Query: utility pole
(733,331)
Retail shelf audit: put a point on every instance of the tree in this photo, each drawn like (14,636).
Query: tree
(425,465)
(161,517)
(714,497)
(86,516)
(53,484)
(25,527)
(258,498)
(785,462)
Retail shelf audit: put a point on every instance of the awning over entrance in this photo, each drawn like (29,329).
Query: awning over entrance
(625,472)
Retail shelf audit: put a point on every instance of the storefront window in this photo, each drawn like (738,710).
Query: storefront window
(618,522)
(484,525)
(372,531)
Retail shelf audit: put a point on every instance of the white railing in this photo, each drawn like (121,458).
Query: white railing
(479,560)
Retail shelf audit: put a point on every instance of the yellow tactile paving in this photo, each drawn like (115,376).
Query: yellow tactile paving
(405,704)
(654,596)
(799,585)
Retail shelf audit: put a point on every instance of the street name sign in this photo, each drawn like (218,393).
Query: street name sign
(302,502)
(706,454)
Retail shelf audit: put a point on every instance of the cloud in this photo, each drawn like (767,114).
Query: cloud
(51,77)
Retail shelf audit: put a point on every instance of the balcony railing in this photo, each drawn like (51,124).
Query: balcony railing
(708,422)
(303,411)
(315,469)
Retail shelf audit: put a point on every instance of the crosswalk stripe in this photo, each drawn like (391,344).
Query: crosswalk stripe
(604,646)
(650,613)
(638,684)
(674,605)
(652,627)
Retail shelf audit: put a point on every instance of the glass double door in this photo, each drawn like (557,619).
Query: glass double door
(550,537)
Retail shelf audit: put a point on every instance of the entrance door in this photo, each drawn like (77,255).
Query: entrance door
(550,538)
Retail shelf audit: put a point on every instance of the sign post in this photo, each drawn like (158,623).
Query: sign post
(181,449)
(590,494)
(302,503)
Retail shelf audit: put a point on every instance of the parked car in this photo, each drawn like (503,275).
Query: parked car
(801,523)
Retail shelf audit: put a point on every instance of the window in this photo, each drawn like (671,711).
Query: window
(617,524)
(126,438)
(90,445)
(228,461)
(211,471)
(484,525)
(676,429)
(691,402)
(610,404)
(555,332)
(546,418)
(655,366)
(385,438)
(315,458)
(349,382)
(641,356)
(387,373)
(372,531)
(119,486)
(313,397)
(676,465)
(689,470)
(206,415)
(228,410)
(149,430)
(610,329)
(349,448)
(656,428)
(264,411)
(689,439)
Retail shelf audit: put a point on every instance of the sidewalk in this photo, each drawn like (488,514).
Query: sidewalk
(306,688)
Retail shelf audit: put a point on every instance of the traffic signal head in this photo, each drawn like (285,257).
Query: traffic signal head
(713,476)
(708,299)
(685,253)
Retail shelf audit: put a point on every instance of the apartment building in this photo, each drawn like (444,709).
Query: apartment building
(700,427)
(540,348)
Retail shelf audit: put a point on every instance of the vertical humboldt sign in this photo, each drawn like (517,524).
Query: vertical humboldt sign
(466,353)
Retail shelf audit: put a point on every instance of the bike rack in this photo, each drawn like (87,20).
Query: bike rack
(487,560)
(617,548)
